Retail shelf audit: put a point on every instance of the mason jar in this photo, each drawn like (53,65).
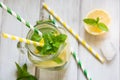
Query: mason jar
(56,61)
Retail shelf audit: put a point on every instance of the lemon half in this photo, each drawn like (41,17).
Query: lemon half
(104,18)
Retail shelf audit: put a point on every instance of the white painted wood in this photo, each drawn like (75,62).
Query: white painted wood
(69,12)
(0,31)
(29,10)
(98,71)
(72,12)
(0,14)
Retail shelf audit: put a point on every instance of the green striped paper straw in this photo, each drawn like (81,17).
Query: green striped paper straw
(75,56)
(19,18)
(81,66)
(53,20)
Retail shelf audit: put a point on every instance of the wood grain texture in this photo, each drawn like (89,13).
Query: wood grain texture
(0,15)
(0,33)
(109,70)
(8,49)
(70,14)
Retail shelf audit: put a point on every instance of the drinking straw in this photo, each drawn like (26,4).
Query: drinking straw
(53,20)
(75,56)
(19,18)
(12,37)
(81,65)
(73,33)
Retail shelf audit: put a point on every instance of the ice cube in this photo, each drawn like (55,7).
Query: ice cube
(108,50)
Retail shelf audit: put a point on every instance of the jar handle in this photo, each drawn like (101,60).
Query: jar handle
(22,50)
(21,47)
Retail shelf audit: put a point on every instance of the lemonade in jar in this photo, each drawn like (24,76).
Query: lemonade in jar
(55,52)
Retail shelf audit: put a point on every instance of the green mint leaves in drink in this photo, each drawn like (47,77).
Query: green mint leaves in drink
(95,22)
(52,43)
(36,37)
(53,40)
(23,74)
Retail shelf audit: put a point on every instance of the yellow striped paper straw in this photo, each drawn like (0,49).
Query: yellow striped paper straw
(12,37)
(73,33)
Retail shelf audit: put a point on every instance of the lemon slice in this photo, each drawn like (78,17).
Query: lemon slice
(104,18)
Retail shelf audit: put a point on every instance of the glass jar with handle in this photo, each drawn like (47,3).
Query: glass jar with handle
(55,53)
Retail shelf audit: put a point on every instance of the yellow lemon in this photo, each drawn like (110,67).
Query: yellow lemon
(103,18)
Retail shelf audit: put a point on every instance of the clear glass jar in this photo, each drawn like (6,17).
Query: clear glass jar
(56,61)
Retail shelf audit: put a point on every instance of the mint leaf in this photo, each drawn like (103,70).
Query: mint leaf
(102,26)
(52,43)
(61,38)
(56,44)
(22,73)
(35,37)
(19,70)
(97,20)
(90,21)
(24,67)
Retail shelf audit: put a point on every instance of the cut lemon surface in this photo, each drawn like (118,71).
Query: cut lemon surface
(104,18)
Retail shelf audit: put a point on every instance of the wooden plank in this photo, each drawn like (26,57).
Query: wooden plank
(70,14)
(0,15)
(29,10)
(98,71)
(0,32)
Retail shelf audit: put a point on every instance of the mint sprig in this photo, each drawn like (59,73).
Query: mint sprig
(95,22)
(52,42)
(23,74)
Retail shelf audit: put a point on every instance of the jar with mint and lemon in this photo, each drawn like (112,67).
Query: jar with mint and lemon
(55,53)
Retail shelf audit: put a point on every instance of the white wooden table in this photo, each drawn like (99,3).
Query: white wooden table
(73,12)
